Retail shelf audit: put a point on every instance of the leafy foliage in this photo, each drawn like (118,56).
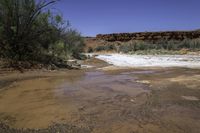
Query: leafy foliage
(29,31)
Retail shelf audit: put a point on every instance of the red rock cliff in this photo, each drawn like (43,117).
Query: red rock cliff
(150,36)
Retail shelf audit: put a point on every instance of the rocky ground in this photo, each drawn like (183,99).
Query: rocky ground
(11,65)
(102,99)
(57,128)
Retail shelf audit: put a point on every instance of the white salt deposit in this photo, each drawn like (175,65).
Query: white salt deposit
(123,60)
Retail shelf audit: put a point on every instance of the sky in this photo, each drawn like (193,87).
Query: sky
(92,17)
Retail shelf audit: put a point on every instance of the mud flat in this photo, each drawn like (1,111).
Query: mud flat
(99,100)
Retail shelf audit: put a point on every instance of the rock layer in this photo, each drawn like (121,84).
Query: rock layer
(150,36)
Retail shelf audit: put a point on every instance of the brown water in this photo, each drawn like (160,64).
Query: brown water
(118,101)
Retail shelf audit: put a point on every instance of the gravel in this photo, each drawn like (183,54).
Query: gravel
(56,128)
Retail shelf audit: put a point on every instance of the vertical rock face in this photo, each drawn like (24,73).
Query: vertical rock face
(150,36)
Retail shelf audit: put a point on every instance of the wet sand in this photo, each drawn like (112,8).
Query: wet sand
(102,100)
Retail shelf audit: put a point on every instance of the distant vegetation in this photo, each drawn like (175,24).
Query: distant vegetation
(149,42)
(162,46)
(31,31)
(105,48)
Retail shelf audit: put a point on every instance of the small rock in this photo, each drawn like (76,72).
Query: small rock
(143,81)
(132,100)
(190,98)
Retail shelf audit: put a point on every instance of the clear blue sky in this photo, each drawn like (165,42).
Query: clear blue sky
(92,17)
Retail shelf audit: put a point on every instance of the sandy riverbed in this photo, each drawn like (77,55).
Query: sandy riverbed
(99,100)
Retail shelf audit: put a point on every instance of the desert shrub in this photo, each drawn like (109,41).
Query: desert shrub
(141,46)
(196,43)
(159,46)
(190,44)
(127,47)
(124,48)
(100,48)
(134,46)
(90,50)
(73,43)
(108,47)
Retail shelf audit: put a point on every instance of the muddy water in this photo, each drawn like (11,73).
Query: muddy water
(118,101)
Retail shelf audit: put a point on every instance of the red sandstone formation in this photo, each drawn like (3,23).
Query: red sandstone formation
(150,36)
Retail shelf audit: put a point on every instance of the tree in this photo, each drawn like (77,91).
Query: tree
(29,31)
(21,28)
(73,42)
